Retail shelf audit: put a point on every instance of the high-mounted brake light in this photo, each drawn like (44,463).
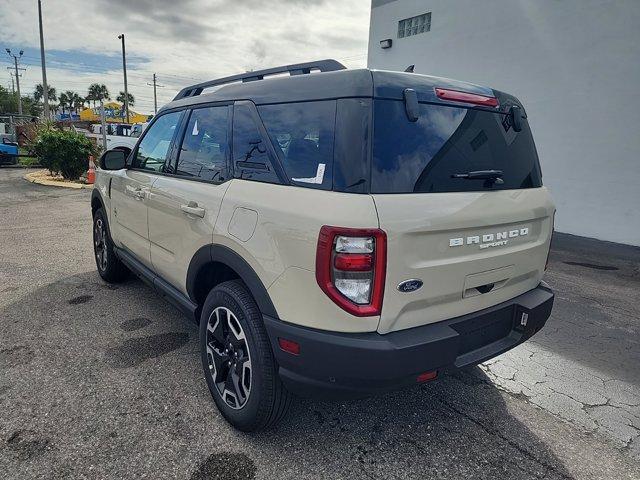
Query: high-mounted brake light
(465,97)
(350,268)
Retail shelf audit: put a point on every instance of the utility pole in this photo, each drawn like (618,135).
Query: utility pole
(103,126)
(155,97)
(15,62)
(124,69)
(45,87)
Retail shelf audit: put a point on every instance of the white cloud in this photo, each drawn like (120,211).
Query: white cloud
(184,41)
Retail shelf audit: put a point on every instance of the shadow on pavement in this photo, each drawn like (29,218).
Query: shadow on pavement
(111,386)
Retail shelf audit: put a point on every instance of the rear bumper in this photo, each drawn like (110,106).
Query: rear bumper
(332,364)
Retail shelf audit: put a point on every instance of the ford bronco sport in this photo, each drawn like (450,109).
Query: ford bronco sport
(332,231)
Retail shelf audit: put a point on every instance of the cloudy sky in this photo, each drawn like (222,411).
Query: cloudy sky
(182,41)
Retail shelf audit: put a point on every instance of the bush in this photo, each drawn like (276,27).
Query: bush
(63,152)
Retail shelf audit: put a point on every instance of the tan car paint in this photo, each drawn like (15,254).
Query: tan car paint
(128,217)
(175,234)
(279,242)
(282,248)
(419,231)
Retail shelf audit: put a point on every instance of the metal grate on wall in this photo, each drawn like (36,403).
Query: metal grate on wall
(414,25)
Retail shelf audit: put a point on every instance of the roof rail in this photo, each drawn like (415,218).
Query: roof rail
(295,69)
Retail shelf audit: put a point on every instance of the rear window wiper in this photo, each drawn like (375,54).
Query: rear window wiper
(492,176)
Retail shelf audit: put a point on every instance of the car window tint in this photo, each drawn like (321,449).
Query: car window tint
(427,155)
(153,148)
(204,149)
(250,154)
(304,135)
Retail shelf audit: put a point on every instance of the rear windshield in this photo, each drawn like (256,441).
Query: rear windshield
(422,156)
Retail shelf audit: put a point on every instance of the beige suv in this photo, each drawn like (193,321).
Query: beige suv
(332,232)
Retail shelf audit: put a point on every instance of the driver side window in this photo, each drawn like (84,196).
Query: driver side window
(154,147)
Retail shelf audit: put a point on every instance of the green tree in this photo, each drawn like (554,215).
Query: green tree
(65,100)
(120,98)
(97,92)
(63,151)
(9,104)
(38,94)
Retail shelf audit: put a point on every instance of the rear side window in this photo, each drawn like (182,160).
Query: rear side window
(422,156)
(303,136)
(250,154)
(204,149)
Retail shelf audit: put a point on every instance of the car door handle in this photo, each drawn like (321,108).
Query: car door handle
(192,208)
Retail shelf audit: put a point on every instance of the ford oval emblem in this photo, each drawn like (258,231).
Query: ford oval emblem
(409,285)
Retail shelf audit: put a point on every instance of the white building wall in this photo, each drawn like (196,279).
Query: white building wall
(575,65)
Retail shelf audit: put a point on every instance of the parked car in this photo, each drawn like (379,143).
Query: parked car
(333,232)
(8,152)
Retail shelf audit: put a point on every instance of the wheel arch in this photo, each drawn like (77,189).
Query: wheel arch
(214,264)
(96,201)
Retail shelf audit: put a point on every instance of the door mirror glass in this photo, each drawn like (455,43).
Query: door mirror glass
(113,160)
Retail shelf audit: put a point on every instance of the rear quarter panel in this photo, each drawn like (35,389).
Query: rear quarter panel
(281,248)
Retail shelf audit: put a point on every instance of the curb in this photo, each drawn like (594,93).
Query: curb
(20,166)
(36,177)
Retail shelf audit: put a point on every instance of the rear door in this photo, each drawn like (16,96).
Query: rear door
(184,204)
(130,191)
(472,242)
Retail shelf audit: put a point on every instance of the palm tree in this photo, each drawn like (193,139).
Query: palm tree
(65,100)
(97,92)
(38,95)
(120,98)
(79,102)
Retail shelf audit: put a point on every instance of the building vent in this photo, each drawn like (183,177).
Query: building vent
(414,25)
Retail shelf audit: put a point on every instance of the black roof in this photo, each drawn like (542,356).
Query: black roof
(302,84)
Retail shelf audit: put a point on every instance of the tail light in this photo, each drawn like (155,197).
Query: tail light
(350,268)
(465,97)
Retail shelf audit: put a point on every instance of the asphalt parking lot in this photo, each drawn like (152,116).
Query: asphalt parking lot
(100,381)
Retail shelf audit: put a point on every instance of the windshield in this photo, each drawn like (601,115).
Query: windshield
(423,156)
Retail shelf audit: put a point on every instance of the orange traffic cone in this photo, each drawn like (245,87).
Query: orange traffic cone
(91,173)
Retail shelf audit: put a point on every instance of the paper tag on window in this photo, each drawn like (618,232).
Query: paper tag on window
(315,180)
(195,128)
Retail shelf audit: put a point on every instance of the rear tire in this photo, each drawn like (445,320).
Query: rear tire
(238,363)
(110,268)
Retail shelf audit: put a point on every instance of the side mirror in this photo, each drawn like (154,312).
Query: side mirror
(515,113)
(411,105)
(113,160)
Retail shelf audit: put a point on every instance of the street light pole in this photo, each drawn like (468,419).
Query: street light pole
(15,62)
(124,69)
(45,87)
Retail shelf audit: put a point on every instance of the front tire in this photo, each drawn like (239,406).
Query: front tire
(238,363)
(110,268)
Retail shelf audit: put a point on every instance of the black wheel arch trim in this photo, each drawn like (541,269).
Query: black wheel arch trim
(95,195)
(225,255)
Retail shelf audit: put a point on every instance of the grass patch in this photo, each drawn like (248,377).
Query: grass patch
(26,161)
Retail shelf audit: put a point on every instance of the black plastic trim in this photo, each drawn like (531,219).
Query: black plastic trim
(333,364)
(219,253)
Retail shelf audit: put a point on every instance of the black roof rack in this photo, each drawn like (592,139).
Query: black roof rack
(295,69)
